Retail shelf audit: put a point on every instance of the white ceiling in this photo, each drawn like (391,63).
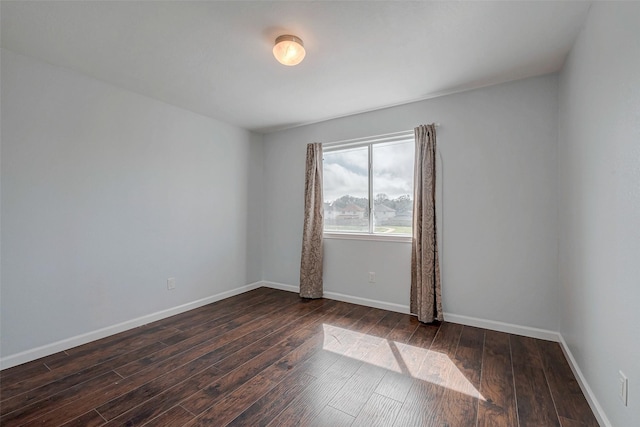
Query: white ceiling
(215,58)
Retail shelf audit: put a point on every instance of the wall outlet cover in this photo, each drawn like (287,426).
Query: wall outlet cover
(623,387)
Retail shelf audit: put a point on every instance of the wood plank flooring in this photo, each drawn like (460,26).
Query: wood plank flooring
(269,358)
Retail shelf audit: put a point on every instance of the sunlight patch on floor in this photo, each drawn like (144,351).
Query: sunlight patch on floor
(420,363)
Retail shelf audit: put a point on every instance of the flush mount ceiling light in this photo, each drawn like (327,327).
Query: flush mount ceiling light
(289,50)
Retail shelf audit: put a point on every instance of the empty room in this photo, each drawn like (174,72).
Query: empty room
(320,213)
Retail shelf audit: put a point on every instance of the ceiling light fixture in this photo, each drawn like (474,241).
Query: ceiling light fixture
(289,50)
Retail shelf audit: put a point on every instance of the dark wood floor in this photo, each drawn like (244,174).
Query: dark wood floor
(267,357)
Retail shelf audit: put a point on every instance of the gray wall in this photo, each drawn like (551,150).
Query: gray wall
(499,255)
(599,175)
(106,194)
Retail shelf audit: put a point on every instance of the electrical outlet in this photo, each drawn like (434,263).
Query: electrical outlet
(171,283)
(623,387)
(372,277)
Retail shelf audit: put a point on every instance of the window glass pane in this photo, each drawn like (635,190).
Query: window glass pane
(393,187)
(346,189)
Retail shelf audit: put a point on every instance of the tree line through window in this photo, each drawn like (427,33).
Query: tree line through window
(368,186)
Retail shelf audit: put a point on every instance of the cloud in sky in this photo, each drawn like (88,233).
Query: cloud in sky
(345,172)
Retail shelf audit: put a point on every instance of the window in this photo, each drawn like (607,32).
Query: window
(372,175)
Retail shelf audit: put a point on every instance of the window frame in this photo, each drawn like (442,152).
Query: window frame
(404,136)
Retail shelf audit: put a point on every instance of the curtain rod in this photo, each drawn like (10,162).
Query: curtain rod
(375,138)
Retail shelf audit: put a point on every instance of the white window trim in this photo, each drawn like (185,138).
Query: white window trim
(362,142)
(381,237)
(368,142)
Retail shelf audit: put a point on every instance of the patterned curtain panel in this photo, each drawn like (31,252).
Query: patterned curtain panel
(311,261)
(426,299)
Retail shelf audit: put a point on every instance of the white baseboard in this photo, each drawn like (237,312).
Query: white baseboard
(344,298)
(510,328)
(584,385)
(281,286)
(46,350)
(449,317)
(368,302)
(65,344)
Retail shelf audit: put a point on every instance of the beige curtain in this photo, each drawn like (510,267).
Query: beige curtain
(426,300)
(311,261)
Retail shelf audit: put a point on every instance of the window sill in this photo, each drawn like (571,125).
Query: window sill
(374,237)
